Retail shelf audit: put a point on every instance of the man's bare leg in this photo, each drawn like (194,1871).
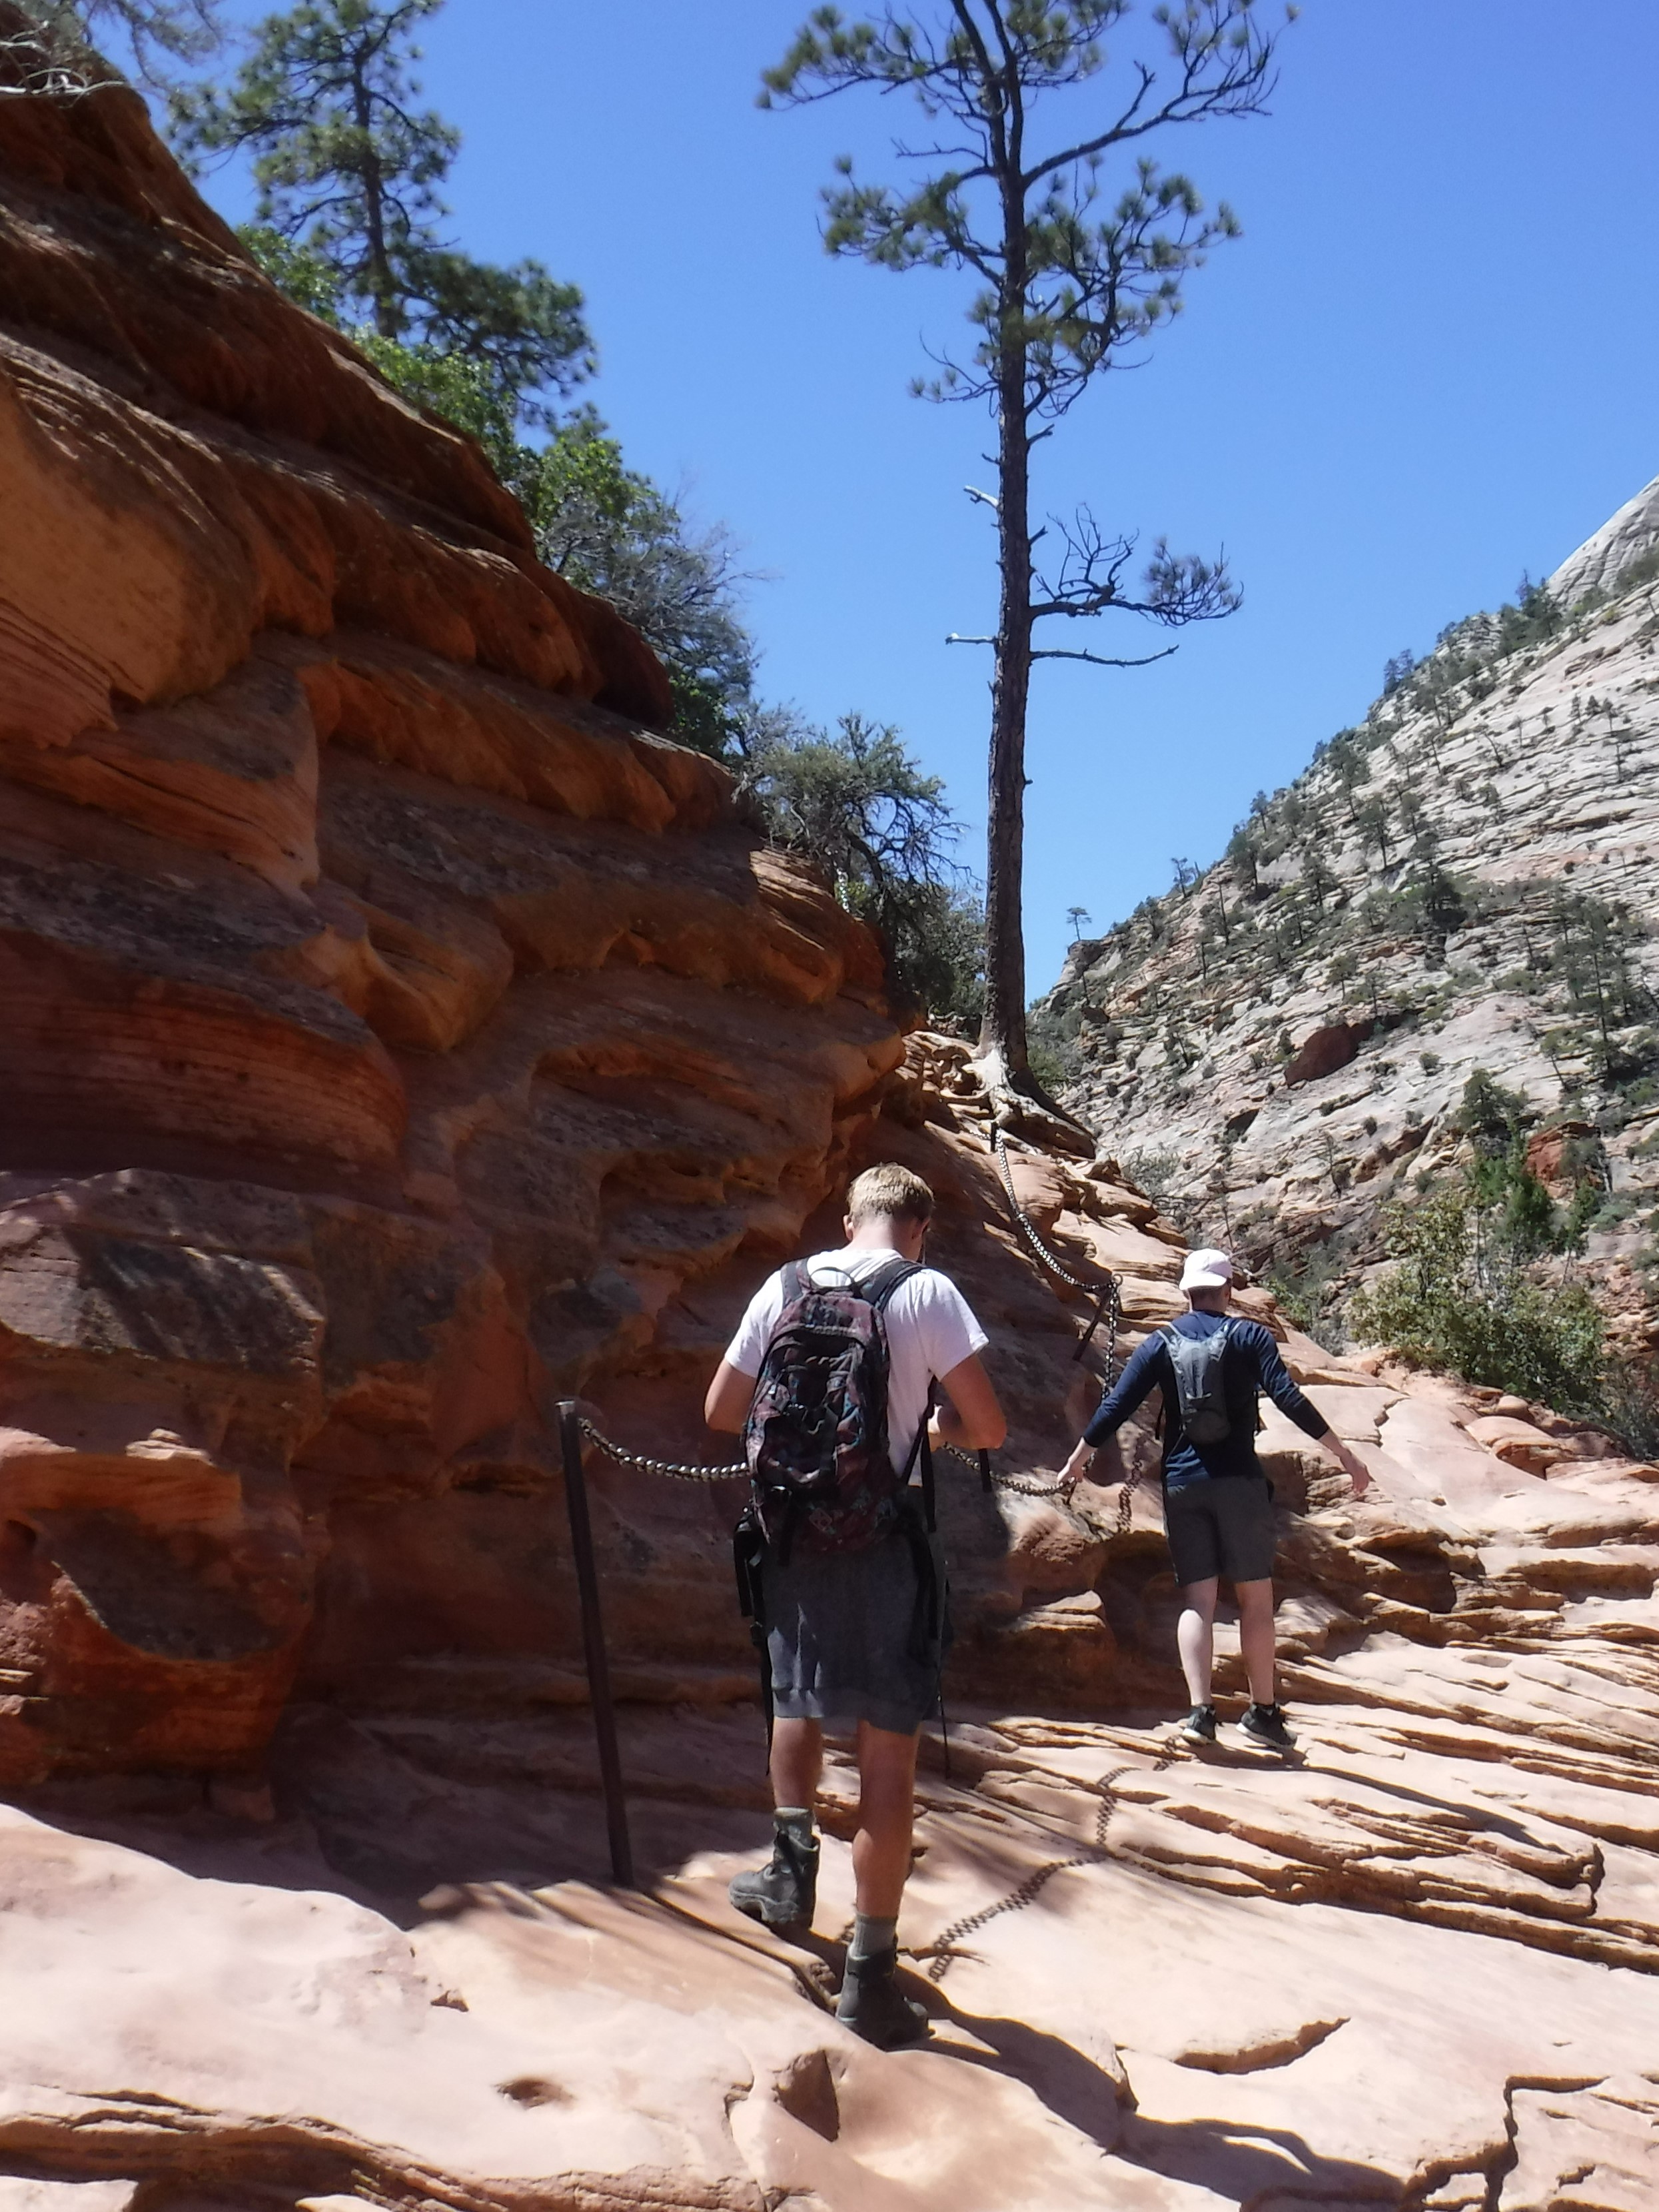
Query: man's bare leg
(783,1892)
(871,2003)
(1256,1637)
(1195,1636)
(797,1763)
(881,1848)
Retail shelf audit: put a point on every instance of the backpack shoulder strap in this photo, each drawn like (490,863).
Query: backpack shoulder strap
(922,1449)
(796,1281)
(879,1285)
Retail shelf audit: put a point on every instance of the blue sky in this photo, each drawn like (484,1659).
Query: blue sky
(1429,364)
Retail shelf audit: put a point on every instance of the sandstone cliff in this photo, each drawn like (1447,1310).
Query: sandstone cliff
(396,1025)
(399,1033)
(1467,880)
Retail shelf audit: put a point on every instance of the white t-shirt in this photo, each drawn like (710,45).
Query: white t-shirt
(931,1328)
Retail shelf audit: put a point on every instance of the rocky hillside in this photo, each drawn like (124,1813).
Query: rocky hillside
(1467,879)
(398,1033)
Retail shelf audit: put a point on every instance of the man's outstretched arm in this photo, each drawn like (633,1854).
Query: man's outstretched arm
(1276,1380)
(971,1418)
(1135,1384)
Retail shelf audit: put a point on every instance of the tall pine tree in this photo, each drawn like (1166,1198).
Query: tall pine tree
(1078,244)
(348,167)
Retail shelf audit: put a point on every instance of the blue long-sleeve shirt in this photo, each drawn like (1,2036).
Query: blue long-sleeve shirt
(1251,1363)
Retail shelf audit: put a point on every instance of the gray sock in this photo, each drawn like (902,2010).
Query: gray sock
(873,1937)
(797,1820)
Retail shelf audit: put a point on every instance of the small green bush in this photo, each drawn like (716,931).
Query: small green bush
(1463,1301)
(1630,1408)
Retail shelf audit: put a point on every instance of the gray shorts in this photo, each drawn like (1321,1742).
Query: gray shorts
(1221,1527)
(849,1635)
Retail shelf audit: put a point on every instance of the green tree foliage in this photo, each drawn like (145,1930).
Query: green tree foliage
(1527,1221)
(597,522)
(156,34)
(1470,1297)
(612,531)
(1077,246)
(348,167)
(855,801)
(1244,854)
(1463,1299)
(1533,619)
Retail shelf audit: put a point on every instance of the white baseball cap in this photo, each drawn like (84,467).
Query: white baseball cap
(1207,1270)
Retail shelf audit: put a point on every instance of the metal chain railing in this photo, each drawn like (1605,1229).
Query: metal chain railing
(689,1471)
(670,1470)
(947,1946)
(1108,1294)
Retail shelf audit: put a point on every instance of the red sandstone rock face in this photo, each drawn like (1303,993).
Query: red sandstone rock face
(1327,1049)
(398,1027)
(1545,1148)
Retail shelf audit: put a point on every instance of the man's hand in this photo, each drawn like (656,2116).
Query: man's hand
(1076,1467)
(1352,1466)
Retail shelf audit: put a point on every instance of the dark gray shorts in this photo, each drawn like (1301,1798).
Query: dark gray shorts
(848,1636)
(1221,1527)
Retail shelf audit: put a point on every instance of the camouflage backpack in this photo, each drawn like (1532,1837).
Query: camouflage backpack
(815,1438)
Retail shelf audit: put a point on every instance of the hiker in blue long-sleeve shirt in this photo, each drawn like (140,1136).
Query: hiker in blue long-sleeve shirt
(1217,1504)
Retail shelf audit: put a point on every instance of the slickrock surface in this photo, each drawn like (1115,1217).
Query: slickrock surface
(400,1034)
(1412,1966)
(1467,880)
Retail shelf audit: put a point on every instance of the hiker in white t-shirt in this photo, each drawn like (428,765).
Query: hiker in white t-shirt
(843,1637)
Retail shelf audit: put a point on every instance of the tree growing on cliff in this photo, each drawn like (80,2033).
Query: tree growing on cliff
(348,167)
(603,525)
(614,532)
(1076,269)
(1465,1297)
(855,801)
(154,35)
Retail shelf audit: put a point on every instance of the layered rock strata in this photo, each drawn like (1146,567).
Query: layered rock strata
(397,1024)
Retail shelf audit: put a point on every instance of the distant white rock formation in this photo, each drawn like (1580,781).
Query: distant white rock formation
(1600,559)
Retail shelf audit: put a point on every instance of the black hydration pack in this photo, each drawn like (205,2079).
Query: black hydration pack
(1200,1384)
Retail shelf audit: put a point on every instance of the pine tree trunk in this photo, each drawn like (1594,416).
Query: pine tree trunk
(382,283)
(1002,1031)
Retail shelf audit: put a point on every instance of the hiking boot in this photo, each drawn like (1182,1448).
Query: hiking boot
(1199,1727)
(873,2006)
(784,1892)
(1265,1724)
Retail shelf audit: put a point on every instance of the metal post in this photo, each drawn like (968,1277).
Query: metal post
(599,1665)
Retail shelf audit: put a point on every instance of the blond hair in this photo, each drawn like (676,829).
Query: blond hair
(888,1193)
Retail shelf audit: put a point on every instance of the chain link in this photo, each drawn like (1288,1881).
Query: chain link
(671,1470)
(1033,1236)
(682,1471)
(947,1946)
(1107,1294)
